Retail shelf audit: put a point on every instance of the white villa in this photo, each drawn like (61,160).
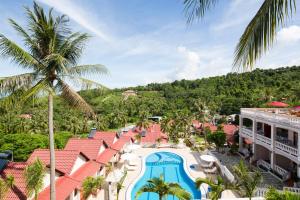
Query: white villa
(271,137)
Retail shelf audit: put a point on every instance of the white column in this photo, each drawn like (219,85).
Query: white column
(273,136)
(240,131)
(254,130)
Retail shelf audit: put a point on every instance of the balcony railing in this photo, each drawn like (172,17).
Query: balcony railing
(270,116)
(286,149)
(263,140)
(292,189)
(264,164)
(247,132)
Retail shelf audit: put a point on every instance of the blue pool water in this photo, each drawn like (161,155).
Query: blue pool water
(171,166)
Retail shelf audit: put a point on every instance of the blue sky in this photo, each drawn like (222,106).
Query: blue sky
(142,41)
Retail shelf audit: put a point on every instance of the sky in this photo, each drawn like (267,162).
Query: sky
(142,41)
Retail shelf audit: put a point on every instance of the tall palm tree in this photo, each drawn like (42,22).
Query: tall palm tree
(91,185)
(34,175)
(163,189)
(247,181)
(5,185)
(143,122)
(259,34)
(53,52)
(217,187)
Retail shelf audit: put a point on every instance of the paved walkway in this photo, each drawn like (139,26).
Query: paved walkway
(191,158)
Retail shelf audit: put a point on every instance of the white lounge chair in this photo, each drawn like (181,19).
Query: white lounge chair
(130,168)
(206,165)
(211,171)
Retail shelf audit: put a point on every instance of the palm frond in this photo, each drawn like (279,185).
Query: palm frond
(180,193)
(83,82)
(145,188)
(197,8)
(17,54)
(83,70)
(73,98)
(12,83)
(260,34)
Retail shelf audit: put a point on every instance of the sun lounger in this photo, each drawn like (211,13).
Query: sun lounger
(130,168)
(211,171)
(206,165)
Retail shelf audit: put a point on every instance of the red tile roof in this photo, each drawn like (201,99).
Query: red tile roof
(88,169)
(16,169)
(64,159)
(212,127)
(153,133)
(90,147)
(64,186)
(108,137)
(118,145)
(106,156)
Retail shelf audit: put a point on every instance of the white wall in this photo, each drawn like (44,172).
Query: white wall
(115,139)
(46,180)
(78,163)
(102,148)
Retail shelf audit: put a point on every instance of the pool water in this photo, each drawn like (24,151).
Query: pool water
(171,166)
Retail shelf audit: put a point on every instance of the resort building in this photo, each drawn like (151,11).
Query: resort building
(271,138)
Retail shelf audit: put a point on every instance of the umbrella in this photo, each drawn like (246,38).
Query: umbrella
(114,176)
(208,158)
(277,104)
(128,156)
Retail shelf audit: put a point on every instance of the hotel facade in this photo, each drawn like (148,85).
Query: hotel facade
(271,136)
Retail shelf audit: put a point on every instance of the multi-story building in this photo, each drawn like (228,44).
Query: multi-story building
(272,136)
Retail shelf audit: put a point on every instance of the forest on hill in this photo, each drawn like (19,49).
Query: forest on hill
(221,94)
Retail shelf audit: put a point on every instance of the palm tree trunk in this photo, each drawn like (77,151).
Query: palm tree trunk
(51,144)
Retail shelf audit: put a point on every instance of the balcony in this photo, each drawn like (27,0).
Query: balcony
(246,132)
(263,140)
(280,116)
(266,165)
(286,150)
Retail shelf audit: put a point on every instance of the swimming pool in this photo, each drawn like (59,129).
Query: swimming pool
(171,166)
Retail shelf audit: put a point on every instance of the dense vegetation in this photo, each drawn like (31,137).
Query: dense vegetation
(222,94)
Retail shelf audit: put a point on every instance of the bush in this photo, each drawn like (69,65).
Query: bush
(218,138)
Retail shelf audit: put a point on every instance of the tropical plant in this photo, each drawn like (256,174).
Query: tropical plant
(247,181)
(138,138)
(34,175)
(143,122)
(120,184)
(260,33)
(5,185)
(273,194)
(53,52)
(108,168)
(218,138)
(91,185)
(217,187)
(163,189)
(158,141)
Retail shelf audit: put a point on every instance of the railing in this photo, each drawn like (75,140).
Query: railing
(292,189)
(265,141)
(264,164)
(280,170)
(274,117)
(286,149)
(247,132)
(261,192)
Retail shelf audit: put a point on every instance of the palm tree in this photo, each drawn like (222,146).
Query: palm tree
(53,52)
(247,181)
(138,138)
(260,33)
(91,185)
(120,184)
(34,175)
(217,187)
(143,122)
(5,185)
(273,194)
(163,189)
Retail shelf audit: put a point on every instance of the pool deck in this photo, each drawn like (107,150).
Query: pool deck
(191,158)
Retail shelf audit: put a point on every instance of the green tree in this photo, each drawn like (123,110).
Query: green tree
(163,189)
(259,34)
(53,52)
(247,181)
(120,184)
(143,122)
(217,187)
(218,138)
(91,185)
(34,175)
(5,185)
(273,194)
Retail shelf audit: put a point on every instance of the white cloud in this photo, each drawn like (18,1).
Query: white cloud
(78,15)
(289,34)
(189,67)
